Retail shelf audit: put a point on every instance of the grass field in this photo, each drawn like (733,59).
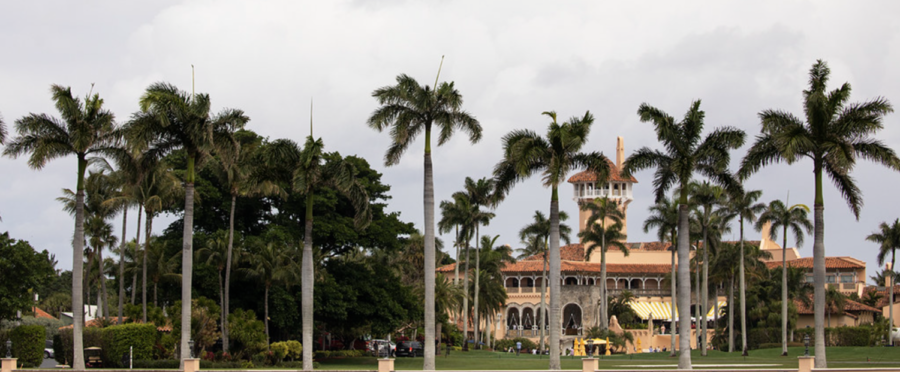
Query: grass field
(838,357)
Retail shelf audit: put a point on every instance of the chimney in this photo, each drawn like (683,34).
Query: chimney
(620,152)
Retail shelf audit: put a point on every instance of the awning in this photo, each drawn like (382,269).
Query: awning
(662,310)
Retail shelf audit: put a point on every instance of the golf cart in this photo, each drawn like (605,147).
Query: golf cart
(92,357)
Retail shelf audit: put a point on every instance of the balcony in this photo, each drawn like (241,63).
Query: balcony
(600,193)
(649,292)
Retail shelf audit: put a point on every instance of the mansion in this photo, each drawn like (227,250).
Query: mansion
(643,272)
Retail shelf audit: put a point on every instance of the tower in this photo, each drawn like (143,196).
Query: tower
(616,188)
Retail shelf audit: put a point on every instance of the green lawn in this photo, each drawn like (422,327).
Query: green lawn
(484,360)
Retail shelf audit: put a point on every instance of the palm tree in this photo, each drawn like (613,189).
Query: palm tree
(706,196)
(664,217)
(306,171)
(795,218)
(270,262)
(525,153)
(234,167)
(85,130)
(161,266)
(480,194)
(2,131)
(744,206)
(410,109)
(169,120)
(889,242)
(216,252)
(452,215)
(835,301)
(833,136)
(537,237)
(447,296)
(493,260)
(598,234)
(685,154)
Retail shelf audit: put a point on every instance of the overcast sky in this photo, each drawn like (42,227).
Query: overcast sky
(510,60)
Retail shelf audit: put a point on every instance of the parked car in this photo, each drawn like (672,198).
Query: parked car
(410,349)
(380,348)
(48,349)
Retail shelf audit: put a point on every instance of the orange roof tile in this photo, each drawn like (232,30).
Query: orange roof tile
(830,263)
(849,306)
(579,267)
(38,313)
(585,176)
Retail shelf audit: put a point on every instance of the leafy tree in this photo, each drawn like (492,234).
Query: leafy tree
(795,218)
(743,205)
(888,239)
(203,318)
(247,332)
(271,261)
(834,134)
(85,130)
(171,119)
(685,154)
(410,109)
(525,154)
(598,234)
(22,272)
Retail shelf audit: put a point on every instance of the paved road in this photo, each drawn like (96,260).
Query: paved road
(49,363)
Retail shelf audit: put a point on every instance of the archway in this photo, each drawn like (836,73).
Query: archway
(571,280)
(512,321)
(512,283)
(528,320)
(572,319)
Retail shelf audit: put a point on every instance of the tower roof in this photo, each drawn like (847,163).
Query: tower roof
(614,175)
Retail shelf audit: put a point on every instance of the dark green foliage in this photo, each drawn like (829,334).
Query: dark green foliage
(28,344)
(865,335)
(135,312)
(507,343)
(59,352)
(118,339)
(91,337)
(22,271)
(247,333)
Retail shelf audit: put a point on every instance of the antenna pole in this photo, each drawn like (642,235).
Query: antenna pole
(192,83)
(310,117)
(438,75)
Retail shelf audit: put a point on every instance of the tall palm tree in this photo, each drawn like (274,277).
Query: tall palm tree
(536,236)
(453,213)
(169,120)
(480,194)
(85,130)
(410,109)
(664,217)
(888,239)
(706,197)
(493,260)
(2,131)
(744,206)
(525,153)
(783,217)
(306,171)
(685,154)
(599,234)
(162,267)
(834,134)
(234,165)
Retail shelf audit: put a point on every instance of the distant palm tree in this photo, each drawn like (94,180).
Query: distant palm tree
(685,155)
(162,267)
(744,206)
(664,217)
(833,136)
(481,194)
(215,252)
(86,130)
(492,292)
(835,300)
(706,197)
(169,120)
(410,109)
(453,213)
(888,239)
(795,218)
(2,131)
(270,262)
(537,236)
(525,153)
(598,234)
(447,296)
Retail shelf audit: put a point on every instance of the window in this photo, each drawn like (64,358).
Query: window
(846,278)
(809,279)
(830,279)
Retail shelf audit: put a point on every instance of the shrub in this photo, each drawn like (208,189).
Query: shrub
(119,339)
(247,333)
(291,349)
(28,344)
(506,343)
(51,325)
(278,351)
(59,352)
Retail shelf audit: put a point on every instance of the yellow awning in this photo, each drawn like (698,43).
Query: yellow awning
(663,310)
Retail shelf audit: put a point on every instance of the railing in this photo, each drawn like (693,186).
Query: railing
(527,290)
(599,193)
(649,292)
(850,286)
(513,290)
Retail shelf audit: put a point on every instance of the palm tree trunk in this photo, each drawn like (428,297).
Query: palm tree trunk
(78,271)
(137,246)
(743,289)
(187,258)
(698,308)
(543,308)
(890,293)
(673,297)
(227,300)
(121,277)
(604,318)
(456,267)
(102,277)
(306,295)
(428,363)
(221,301)
(731,315)
(477,274)
(437,331)
(155,294)
(819,270)
(466,300)
(147,230)
(553,252)
(784,307)
(87,282)
(684,285)
(266,310)
(704,294)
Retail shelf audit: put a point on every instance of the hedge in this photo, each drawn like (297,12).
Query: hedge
(28,344)
(506,343)
(118,339)
(841,336)
(90,337)
(327,354)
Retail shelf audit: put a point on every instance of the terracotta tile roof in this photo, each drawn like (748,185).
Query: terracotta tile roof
(579,267)
(38,313)
(830,263)
(884,300)
(585,176)
(569,252)
(849,306)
